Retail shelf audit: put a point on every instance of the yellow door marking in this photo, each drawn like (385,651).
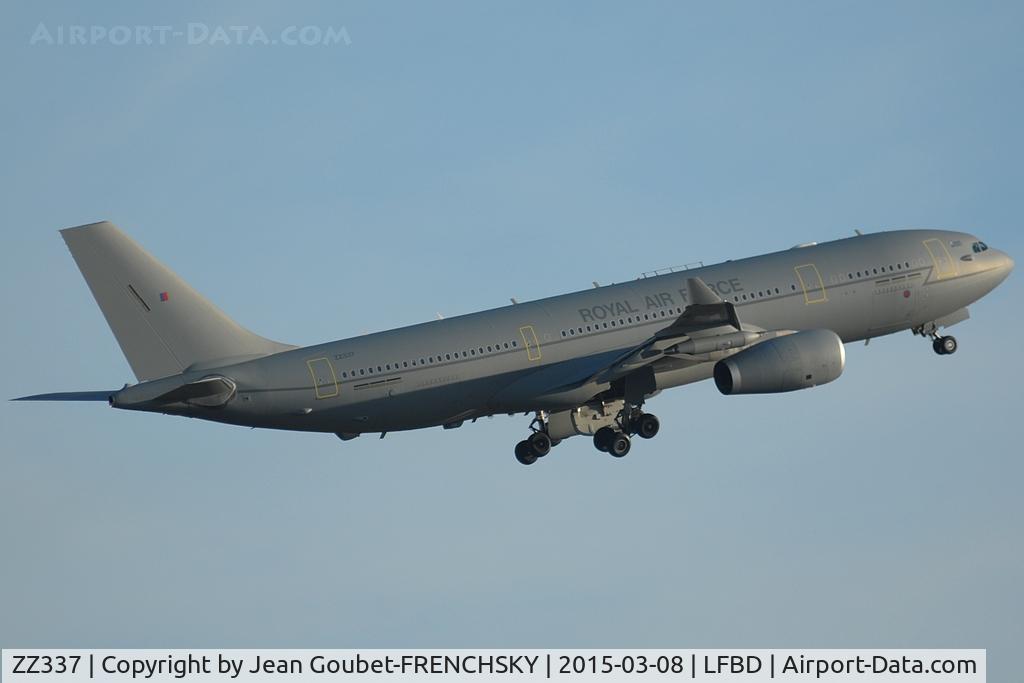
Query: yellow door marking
(530,340)
(945,266)
(325,382)
(811,283)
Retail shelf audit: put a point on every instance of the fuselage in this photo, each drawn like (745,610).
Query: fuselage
(506,360)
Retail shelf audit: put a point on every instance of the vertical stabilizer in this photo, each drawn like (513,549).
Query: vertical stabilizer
(162,324)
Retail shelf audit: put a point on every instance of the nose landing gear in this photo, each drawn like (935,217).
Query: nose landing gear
(944,346)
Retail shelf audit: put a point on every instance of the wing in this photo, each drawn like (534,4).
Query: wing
(707,324)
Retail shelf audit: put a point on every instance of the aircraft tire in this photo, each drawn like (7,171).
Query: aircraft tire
(949,345)
(619,445)
(524,453)
(602,438)
(540,444)
(647,426)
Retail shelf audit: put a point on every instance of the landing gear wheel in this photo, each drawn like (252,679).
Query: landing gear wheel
(647,426)
(540,444)
(619,445)
(937,346)
(948,345)
(603,438)
(524,453)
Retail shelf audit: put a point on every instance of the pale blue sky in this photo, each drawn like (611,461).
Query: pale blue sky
(454,155)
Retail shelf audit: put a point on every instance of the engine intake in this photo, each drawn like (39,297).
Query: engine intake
(795,361)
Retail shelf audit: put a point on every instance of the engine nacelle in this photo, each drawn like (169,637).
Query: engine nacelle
(795,361)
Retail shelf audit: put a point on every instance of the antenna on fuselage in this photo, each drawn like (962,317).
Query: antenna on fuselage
(513,300)
(859,233)
(596,285)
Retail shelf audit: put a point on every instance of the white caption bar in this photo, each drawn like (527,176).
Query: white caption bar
(250,666)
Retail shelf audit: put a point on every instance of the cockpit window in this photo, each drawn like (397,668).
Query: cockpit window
(979,247)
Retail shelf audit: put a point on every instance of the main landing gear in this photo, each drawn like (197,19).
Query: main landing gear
(615,440)
(536,446)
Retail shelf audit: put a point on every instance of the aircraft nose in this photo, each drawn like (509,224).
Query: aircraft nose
(1004,265)
(1007,263)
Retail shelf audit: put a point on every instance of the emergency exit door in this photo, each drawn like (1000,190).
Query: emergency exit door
(325,382)
(531,342)
(811,283)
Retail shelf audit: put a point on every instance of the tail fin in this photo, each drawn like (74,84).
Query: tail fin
(162,324)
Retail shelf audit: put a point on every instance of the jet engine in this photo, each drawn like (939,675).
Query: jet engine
(796,361)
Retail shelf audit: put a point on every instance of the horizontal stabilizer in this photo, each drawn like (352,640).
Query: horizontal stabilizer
(71,396)
(212,390)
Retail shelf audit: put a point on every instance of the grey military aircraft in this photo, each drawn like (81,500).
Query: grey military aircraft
(582,364)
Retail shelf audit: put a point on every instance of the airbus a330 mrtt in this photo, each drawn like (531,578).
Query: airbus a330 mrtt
(582,364)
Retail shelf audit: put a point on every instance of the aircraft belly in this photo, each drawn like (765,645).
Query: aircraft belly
(427,406)
(677,377)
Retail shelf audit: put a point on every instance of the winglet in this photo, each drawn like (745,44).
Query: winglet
(700,293)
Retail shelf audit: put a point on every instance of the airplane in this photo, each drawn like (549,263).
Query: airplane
(583,363)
